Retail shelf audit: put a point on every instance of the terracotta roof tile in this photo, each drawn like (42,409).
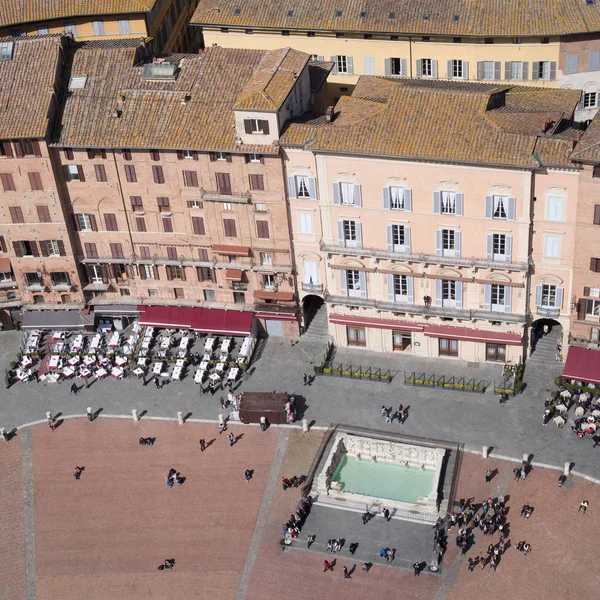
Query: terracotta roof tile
(13,12)
(194,111)
(475,17)
(34,65)
(588,147)
(441,121)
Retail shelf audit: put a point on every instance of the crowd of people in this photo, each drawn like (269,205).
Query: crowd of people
(392,416)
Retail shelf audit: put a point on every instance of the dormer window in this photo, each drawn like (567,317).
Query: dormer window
(6,50)
(256,126)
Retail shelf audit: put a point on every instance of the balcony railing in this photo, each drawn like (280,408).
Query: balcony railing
(238,286)
(425,258)
(274,308)
(8,284)
(428,311)
(549,312)
(219,197)
(312,287)
(60,287)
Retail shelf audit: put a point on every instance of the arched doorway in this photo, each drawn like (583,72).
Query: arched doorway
(545,335)
(314,312)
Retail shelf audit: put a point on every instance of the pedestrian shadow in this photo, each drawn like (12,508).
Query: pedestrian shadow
(58,422)
(210,443)
(422,565)
(143,414)
(97,413)
(351,571)
(238,438)
(188,416)
(90,383)
(11,434)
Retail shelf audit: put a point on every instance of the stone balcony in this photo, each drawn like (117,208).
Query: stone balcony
(218,197)
(470,262)
(426,311)
(548,312)
(8,284)
(313,288)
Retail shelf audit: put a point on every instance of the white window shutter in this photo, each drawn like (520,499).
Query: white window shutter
(406,239)
(434,69)
(511,209)
(457,244)
(487,297)
(497,70)
(449,70)
(507,298)
(341,234)
(437,203)
(489,246)
(552,71)
(438,292)
(489,207)
(390,282)
(362,279)
(459,205)
(343,282)
(559,297)
(438,242)
(357,196)
(403,69)
(350,65)
(388,66)
(407,200)
(312,188)
(508,248)
(480,69)
(524,71)
(508,70)
(535,70)
(419,67)
(465,66)
(594,61)
(390,238)
(292,187)
(459,294)
(334,61)
(370,65)
(410,290)
(337,196)
(386,198)
(538,295)
(358,235)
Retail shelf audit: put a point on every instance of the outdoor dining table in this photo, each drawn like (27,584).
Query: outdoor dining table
(204,365)
(214,378)
(53,362)
(58,335)
(23,375)
(199,376)
(85,372)
(89,360)
(95,343)
(206,357)
(142,362)
(146,344)
(157,368)
(176,373)
(101,373)
(220,367)
(68,372)
(114,340)
(233,373)
(184,342)
(52,377)
(165,343)
(245,348)
(120,361)
(180,363)
(74,360)
(225,344)
(138,372)
(59,346)
(26,362)
(117,373)
(209,343)
(78,342)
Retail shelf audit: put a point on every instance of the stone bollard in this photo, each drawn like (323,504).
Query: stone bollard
(305,425)
(180,417)
(135,415)
(526,458)
(90,414)
(486,452)
(4,434)
(48,416)
(221,420)
(567,470)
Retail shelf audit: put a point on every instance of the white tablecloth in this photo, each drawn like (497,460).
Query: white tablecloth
(59,347)
(246,345)
(142,362)
(68,371)
(53,362)
(120,361)
(114,340)
(117,373)
(176,373)
(220,367)
(101,373)
(214,377)
(184,342)
(26,362)
(204,365)
(74,360)
(138,372)
(199,376)
(166,342)
(233,373)
(85,372)
(209,343)
(95,343)
(58,335)
(157,368)
(89,360)
(225,344)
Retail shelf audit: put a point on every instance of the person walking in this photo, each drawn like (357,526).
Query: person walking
(417,569)
(157,383)
(74,389)
(222,428)
(51,422)
(305,378)
(202,445)
(472,564)
(583,506)
(248,475)
(346,574)
(488,476)
(77,472)
(231,439)
(310,540)
(327,566)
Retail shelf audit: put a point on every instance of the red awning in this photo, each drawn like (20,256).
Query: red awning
(582,365)
(5,265)
(283,296)
(376,323)
(167,316)
(473,335)
(233,275)
(233,250)
(223,322)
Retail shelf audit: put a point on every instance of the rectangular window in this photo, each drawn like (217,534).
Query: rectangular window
(190,178)
(448,292)
(555,208)
(544,70)
(110,221)
(90,250)
(6,50)
(426,67)
(549,296)
(98,27)
(86,222)
(592,308)
(305,223)
(457,69)
(346,193)
(227,206)
(498,297)
(499,207)
(223,183)
(218,156)
(489,69)
(254,158)
(35,181)
(262,229)
(71,28)
(140,224)
(100,173)
(167,225)
(205,274)
(157,174)
(172,253)
(448,240)
(257,182)
(396,66)
(572,63)
(52,248)
(552,246)
(16,214)
(8,183)
(342,64)
(126,154)
(268,281)
(353,283)
(597,214)
(209,295)
(495,352)
(260,207)
(302,186)
(163,203)
(74,173)
(254,126)
(130,174)
(203,254)
(116,251)
(448,347)
(136,203)
(176,272)
(198,226)
(44,214)
(595,265)
(448,203)
(398,238)
(499,246)
(397,198)
(401,340)
(229,228)
(356,336)
(350,238)
(239,298)
(124,27)
(144,252)
(400,288)
(590,100)
(516,70)
(266,258)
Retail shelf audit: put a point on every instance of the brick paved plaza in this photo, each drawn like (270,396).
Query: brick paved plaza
(105,535)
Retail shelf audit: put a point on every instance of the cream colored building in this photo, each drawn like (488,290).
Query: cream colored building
(164,23)
(412,209)
(483,41)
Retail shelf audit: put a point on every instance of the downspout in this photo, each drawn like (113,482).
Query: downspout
(124,207)
(530,266)
(410,68)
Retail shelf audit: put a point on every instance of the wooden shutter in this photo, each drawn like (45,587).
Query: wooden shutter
(7,147)
(410,291)
(179,154)
(93,222)
(157,173)
(262,229)
(2,244)
(257,182)
(230,229)
(265,127)
(439,248)
(66,173)
(362,281)
(437,203)
(247,126)
(595,265)
(213,156)
(100,173)
(480,69)
(344,282)
(142,271)
(457,237)
(449,70)
(228,156)
(69,154)
(169,271)
(581,309)
(597,214)
(224,183)
(419,67)
(459,205)
(80,173)
(130,174)
(44,248)
(61,247)
(510,209)
(43,214)
(508,248)
(141,224)
(508,70)
(341,234)
(116,250)
(8,183)
(16,214)
(337,195)
(312,188)
(334,70)
(552,71)
(535,70)
(76,223)
(292,193)
(524,71)
(35,181)
(167,225)
(172,253)
(198,226)
(110,220)
(487,297)
(154,154)
(349,65)
(489,207)
(434,69)
(386,198)
(497,67)
(18,247)
(195,155)
(490,247)
(37,151)
(90,250)
(19,153)
(126,154)
(572,63)
(358,227)
(194,178)
(389,234)
(34,248)
(357,196)
(538,295)
(387,66)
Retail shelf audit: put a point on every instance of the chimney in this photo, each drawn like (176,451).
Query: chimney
(116,113)
(330,114)
(547,124)
(184,98)
(572,144)
(578,135)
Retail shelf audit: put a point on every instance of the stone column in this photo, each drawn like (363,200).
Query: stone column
(305,425)
(567,470)
(134,413)
(180,417)
(486,452)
